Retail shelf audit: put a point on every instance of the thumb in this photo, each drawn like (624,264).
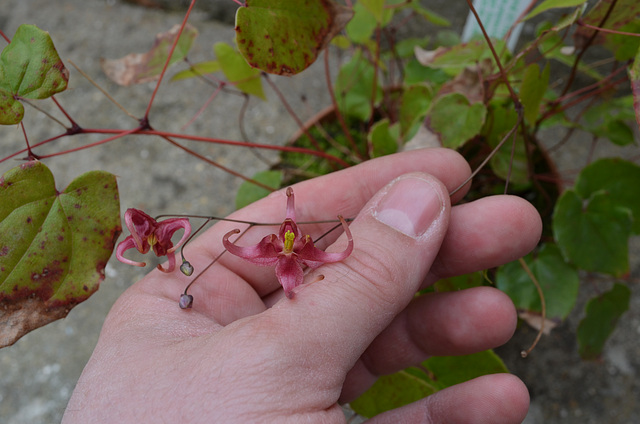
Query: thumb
(397,235)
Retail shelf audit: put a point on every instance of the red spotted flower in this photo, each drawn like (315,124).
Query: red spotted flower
(289,250)
(147,233)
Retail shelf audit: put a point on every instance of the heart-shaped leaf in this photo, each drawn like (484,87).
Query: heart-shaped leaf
(237,71)
(593,233)
(284,37)
(30,68)
(603,313)
(619,178)
(558,280)
(53,245)
(395,390)
(455,120)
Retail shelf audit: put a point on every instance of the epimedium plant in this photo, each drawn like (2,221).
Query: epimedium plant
(391,93)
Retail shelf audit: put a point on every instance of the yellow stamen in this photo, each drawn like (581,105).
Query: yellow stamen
(289,237)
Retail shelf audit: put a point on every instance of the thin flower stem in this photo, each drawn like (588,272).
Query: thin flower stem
(44,112)
(103,91)
(292,113)
(334,101)
(202,109)
(493,152)
(543,305)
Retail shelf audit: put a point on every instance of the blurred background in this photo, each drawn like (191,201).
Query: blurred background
(39,372)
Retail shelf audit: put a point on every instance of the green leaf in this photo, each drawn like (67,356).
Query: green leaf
(430,16)
(399,389)
(237,71)
(416,100)
(558,280)
(454,59)
(354,88)
(53,245)
(514,167)
(603,313)
(451,370)
(390,392)
(553,4)
(375,7)
(198,69)
(382,139)
(29,68)
(249,192)
(617,177)
(460,282)
(138,68)
(454,120)
(284,37)
(593,234)
(534,85)
(361,27)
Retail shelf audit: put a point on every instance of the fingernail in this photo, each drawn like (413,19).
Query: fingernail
(410,206)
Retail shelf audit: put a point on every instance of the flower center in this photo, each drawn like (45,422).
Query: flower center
(289,238)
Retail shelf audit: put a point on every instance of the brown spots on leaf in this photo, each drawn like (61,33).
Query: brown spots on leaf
(29,220)
(4,251)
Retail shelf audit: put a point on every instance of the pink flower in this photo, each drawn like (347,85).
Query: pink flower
(288,250)
(146,233)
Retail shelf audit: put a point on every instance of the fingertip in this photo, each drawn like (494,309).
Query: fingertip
(490,399)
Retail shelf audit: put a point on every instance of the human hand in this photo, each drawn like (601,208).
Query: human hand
(247,354)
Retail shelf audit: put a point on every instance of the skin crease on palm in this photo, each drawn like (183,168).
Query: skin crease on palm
(247,354)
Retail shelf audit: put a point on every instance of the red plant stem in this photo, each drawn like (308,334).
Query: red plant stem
(219,166)
(241,143)
(334,101)
(602,88)
(7,39)
(166,63)
(608,31)
(97,143)
(140,131)
(73,123)
(26,139)
(503,74)
(574,68)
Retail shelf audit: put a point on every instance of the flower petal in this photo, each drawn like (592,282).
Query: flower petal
(123,246)
(141,226)
(264,253)
(314,257)
(289,273)
(172,263)
(167,228)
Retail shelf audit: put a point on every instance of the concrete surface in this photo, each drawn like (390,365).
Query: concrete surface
(39,372)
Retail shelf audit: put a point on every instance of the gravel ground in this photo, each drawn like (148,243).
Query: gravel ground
(40,371)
